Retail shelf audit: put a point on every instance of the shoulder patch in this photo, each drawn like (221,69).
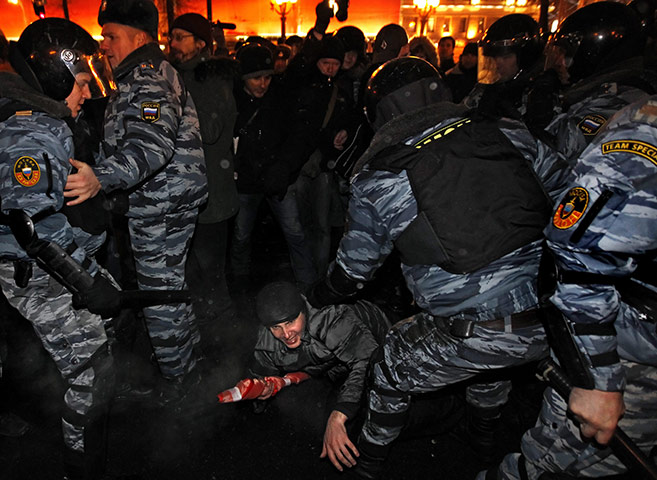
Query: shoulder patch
(646,150)
(571,208)
(590,125)
(27,171)
(647,113)
(150,111)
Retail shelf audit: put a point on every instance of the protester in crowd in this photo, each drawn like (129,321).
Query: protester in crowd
(210,83)
(261,130)
(423,48)
(295,43)
(446,53)
(477,288)
(391,42)
(355,60)
(47,269)
(152,152)
(281,57)
(335,341)
(463,77)
(325,120)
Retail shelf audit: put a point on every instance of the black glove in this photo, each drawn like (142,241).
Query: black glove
(342,13)
(324,13)
(102,298)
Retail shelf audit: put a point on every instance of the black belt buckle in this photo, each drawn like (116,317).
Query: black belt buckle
(461,328)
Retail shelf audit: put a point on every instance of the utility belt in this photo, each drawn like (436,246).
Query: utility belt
(23,268)
(464,328)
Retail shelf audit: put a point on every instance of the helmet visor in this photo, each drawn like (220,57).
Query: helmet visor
(91,71)
(486,68)
(568,43)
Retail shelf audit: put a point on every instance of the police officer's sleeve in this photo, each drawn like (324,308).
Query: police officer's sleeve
(151,115)
(34,154)
(605,221)
(380,208)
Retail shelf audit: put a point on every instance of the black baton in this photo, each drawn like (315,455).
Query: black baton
(622,445)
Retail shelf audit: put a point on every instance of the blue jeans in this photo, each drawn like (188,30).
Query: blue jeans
(286,214)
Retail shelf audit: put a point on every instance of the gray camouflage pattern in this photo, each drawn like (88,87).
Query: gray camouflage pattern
(157,156)
(160,163)
(70,336)
(622,159)
(160,246)
(419,355)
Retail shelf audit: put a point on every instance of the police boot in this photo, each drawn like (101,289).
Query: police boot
(172,393)
(483,431)
(367,467)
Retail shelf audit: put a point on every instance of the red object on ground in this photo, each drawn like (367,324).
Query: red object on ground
(250,388)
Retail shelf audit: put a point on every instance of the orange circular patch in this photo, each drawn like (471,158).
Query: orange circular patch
(571,208)
(27,171)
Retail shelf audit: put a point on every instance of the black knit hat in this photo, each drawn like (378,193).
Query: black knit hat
(255,61)
(279,302)
(331,47)
(140,14)
(196,24)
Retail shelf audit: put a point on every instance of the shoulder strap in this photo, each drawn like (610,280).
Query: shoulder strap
(331,106)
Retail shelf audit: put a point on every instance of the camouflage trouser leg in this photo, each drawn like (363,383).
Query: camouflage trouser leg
(555,443)
(73,338)
(160,246)
(419,356)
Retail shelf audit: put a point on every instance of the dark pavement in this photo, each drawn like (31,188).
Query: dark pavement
(210,441)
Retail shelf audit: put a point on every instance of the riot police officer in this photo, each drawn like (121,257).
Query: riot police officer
(58,67)
(470,267)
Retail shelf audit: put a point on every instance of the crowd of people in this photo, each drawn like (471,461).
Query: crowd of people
(510,196)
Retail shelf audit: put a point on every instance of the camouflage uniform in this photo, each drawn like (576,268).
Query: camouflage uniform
(34,152)
(420,354)
(152,149)
(623,162)
(591,102)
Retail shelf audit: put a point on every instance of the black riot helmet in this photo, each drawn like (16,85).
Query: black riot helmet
(647,12)
(400,86)
(598,36)
(52,54)
(516,33)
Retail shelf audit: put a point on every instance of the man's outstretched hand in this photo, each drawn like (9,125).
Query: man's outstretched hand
(337,446)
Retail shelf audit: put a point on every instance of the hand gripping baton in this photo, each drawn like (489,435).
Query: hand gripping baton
(623,447)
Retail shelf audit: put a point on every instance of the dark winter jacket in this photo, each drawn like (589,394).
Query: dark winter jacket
(337,342)
(210,82)
(262,127)
(310,130)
